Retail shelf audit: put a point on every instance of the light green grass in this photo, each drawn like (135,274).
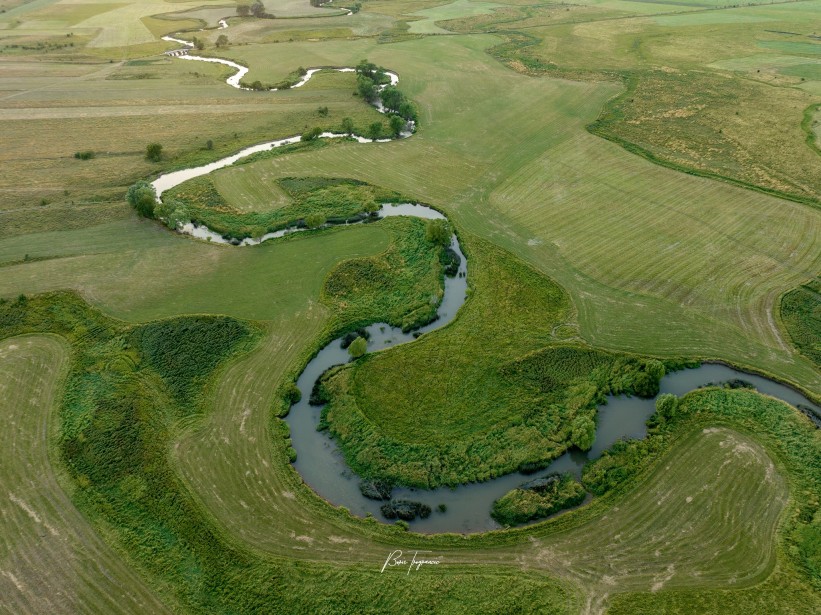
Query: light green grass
(247,191)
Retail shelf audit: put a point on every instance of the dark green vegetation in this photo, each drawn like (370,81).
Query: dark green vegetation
(338,200)
(402,286)
(801,315)
(537,499)
(143,198)
(184,352)
(389,413)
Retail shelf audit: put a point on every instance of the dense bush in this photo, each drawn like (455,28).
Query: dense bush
(153,152)
(85,155)
(538,499)
(311,134)
(406,510)
(143,198)
(438,232)
(358,347)
(801,314)
(184,351)
(450,261)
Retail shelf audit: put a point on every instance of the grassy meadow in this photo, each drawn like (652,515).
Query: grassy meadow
(629,180)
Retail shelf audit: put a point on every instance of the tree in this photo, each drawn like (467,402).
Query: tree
(258,9)
(173,212)
(438,232)
(375,130)
(315,220)
(358,347)
(666,405)
(199,43)
(397,124)
(583,432)
(222,41)
(153,152)
(408,111)
(243,10)
(143,198)
(347,126)
(366,88)
(391,98)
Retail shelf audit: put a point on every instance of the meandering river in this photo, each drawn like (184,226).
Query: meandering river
(319,460)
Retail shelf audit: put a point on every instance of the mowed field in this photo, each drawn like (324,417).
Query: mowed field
(655,261)
(51,558)
(677,530)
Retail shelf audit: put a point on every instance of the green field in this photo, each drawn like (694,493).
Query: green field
(634,184)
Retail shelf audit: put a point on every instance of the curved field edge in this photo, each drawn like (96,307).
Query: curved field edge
(51,557)
(603,127)
(252,577)
(800,314)
(118,460)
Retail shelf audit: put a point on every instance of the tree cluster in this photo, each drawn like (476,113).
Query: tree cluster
(143,198)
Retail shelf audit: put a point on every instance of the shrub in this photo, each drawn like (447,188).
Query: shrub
(583,432)
(312,134)
(375,130)
(666,406)
(358,347)
(537,499)
(153,152)
(315,220)
(86,155)
(438,232)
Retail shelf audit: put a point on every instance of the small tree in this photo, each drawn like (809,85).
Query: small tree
(222,41)
(199,43)
(438,232)
(153,152)
(375,130)
(583,432)
(243,10)
(358,347)
(315,220)
(143,198)
(397,124)
(347,126)
(322,111)
(258,9)
(209,145)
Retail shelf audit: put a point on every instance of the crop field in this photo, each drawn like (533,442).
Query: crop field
(635,186)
